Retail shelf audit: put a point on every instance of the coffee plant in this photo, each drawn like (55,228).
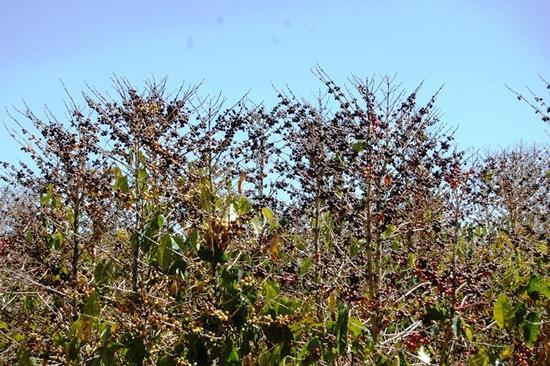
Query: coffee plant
(168,228)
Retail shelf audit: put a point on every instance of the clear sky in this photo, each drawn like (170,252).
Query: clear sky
(473,47)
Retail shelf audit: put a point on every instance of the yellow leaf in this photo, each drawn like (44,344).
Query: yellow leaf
(174,287)
(331,302)
(274,247)
(84,329)
(468,333)
(507,352)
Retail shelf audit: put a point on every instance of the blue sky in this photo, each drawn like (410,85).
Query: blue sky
(473,47)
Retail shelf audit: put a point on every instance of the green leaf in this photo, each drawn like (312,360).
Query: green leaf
(257,225)
(531,328)
(537,287)
(342,329)
(160,221)
(533,288)
(270,289)
(103,271)
(56,240)
(180,243)
(151,229)
(166,360)
(412,260)
(355,326)
(544,287)
(23,358)
(82,328)
(456,325)
(164,252)
(242,206)
(92,306)
(389,231)
(142,180)
(358,146)
(73,349)
(305,265)
(436,313)
(108,354)
(468,333)
(121,181)
(487,177)
(230,214)
(270,358)
(135,350)
(29,302)
(231,355)
(105,332)
(268,214)
(354,248)
(502,310)
(206,199)
(507,352)
(46,197)
(481,358)
(70,216)
(18,337)
(192,240)
(3,325)
(518,315)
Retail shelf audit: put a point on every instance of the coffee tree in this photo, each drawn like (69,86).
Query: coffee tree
(346,229)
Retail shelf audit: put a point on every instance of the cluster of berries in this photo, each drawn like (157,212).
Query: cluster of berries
(426,272)
(415,340)
(522,355)
(4,245)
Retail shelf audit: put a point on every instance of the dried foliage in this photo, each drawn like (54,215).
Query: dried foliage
(171,229)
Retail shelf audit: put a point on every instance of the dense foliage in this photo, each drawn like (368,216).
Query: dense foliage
(170,229)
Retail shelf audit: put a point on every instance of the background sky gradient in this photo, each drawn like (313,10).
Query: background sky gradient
(474,47)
